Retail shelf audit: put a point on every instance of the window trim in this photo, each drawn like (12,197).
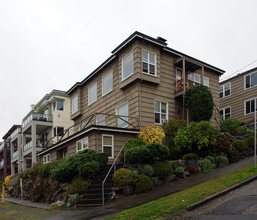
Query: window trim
(250,81)
(208,81)
(81,140)
(47,156)
(167,111)
(72,104)
(126,103)
(110,72)
(112,146)
(88,93)
(223,109)
(249,100)
(122,75)
(223,90)
(155,68)
(55,129)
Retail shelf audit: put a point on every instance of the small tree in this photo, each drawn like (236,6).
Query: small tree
(199,101)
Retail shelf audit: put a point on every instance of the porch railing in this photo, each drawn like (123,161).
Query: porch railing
(17,131)
(15,154)
(27,146)
(180,84)
(37,117)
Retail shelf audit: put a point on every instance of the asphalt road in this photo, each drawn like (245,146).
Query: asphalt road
(238,204)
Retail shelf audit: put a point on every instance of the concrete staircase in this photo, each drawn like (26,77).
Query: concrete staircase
(93,195)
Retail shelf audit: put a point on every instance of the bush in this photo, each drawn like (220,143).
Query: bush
(89,169)
(158,151)
(78,186)
(162,169)
(171,127)
(249,141)
(152,134)
(224,143)
(134,142)
(102,158)
(240,145)
(190,156)
(210,158)
(230,125)
(139,154)
(124,177)
(199,101)
(7,180)
(222,161)
(143,184)
(147,170)
(207,165)
(179,171)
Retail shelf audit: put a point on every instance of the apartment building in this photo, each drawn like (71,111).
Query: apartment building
(238,95)
(142,83)
(44,125)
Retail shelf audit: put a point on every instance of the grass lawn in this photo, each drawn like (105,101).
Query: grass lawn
(168,205)
(12,211)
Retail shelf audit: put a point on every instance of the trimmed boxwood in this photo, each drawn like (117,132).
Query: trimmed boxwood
(143,184)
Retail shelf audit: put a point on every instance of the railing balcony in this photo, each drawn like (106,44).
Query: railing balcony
(180,85)
(2,146)
(37,117)
(2,163)
(27,146)
(17,131)
(15,154)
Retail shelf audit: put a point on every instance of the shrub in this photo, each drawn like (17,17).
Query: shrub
(171,127)
(230,125)
(210,158)
(89,169)
(143,184)
(180,171)
(124,177)
(207,165)
(224,142)
(78,186)
(190,156)
(249,141)
(152,134)
(240,145)
(7,180)
(134,142)
(222,161)
(162,169)
(147,170)
(199,101)
(139,154)
(159,151)
(102,158)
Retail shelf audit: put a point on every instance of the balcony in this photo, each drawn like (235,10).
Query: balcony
(180,85)
(15,154)
(37,117)
(2,146)
(27,146)
(2,163)
(17,131)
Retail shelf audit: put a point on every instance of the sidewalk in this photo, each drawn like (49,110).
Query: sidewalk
(123,203)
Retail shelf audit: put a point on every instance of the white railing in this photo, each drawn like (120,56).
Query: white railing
(27,146)
(2,163)
(2,146)
(36,117)
(17,131)
(15,154)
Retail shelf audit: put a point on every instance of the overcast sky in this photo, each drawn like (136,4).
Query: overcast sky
(52,44)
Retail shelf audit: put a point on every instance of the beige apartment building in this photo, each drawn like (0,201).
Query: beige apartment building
(237,96)
(142,83)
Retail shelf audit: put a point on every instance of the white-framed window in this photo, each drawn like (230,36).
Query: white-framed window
(249,106)
(108,145)
(122,112)
(74,104)
(58,131)
(160,112)
(127,65)
(149,63)
(46,159)
(225,113)
(194,78)
(58,105)
(225,90)
(92,94)
(100,120)
(82,144)
(107,83)
(206,81)
(251,80)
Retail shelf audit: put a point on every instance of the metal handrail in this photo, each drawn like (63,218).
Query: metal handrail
(113,165)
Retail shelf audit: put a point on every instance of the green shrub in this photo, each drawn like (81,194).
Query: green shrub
(207,165)
(78,186)
(147,170)
(224,143)
(138,154)
(230,125)
(158,151)
(210,158)
(190,156)
(133,142)
(124,177)
(162,169)
(143,184)
(89,169)
(180,171)
(102,158)
(249,141)
(240,145)
(171,127)
(222,161)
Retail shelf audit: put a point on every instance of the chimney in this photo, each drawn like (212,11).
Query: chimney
(162,40)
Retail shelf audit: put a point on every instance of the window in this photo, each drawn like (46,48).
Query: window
(206,81)
(194,78)
(100,120)
(58,131)
(82,144)
(107,82)
(160,112)
(92,94)
(148,60)
(251,80)
(74,104)
(108,145)
(249,106)
(225,113)
(58,105)
(225,90)
(122,112)
(46,159)
(127,66)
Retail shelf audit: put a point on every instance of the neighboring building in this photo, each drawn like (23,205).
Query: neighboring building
(5,157)
(142,83)
(44,125)
(237,96)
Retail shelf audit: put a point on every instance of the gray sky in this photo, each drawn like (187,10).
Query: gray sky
(52,44)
